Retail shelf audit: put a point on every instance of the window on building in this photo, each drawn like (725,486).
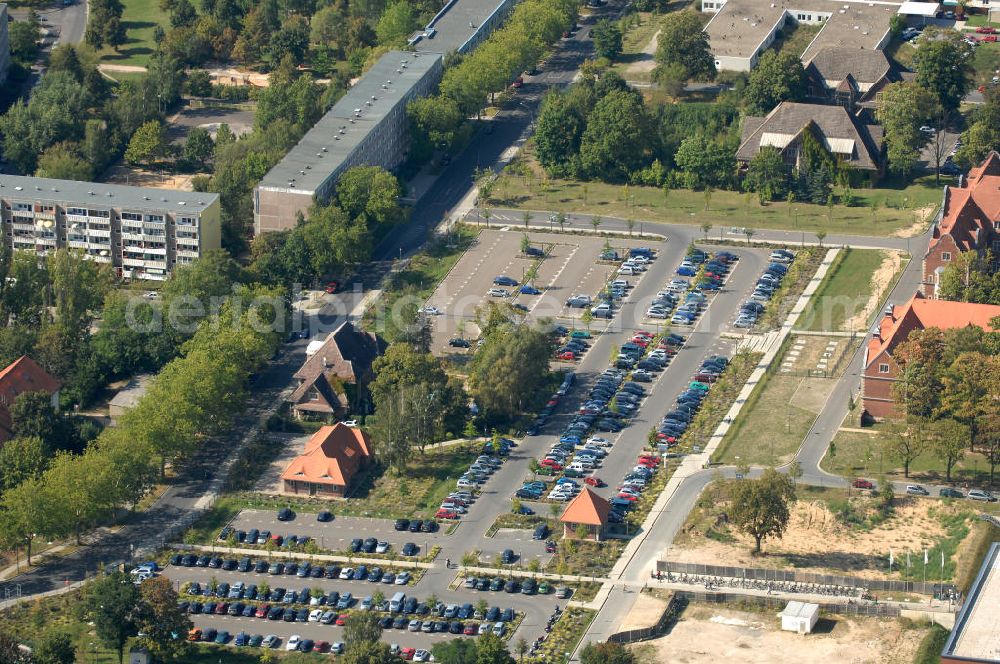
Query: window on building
(79,212)
(883,368)
(155,218)
(132,216)
(946,255)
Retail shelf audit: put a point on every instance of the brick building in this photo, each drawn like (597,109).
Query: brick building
(881,368)
(23,375)
(969,220)
(331,459)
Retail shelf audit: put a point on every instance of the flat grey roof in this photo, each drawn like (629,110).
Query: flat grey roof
(453,27)
(104,195)
(738,29)
(331,140)
(976,635)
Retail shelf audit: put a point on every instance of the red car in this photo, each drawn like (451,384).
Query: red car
(518,82)
(221,609)
(628,496)
(988,38)
(652,459)
(665,438)
(262,610)
(554,401)
(341,619)
(549,463)
(446,514)
(566,355)
(332,286)
(322,646)
(648,463)
(986,31)
(550,547)
(644,334)
(639,341)
(471,629)
(862,484)
(593,481)
(407,653)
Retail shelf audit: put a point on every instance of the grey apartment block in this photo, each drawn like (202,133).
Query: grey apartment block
(4,44)
(368,126)
(143,233)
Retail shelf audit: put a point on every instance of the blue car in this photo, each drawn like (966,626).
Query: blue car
(529,290)
(574,439)
(707,285)
(686,271)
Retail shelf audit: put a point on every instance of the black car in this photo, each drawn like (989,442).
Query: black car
(415,526)
(505,281)
(409,549)
(401,524)
(275,613)
(507,615)
(401,622)
(203,561)
(356,545)
(457,342)
(229,564)
(306,645)
(429,526)
(385,622)
(369,545)
(332,571)
(288,615)
(302,615)
(244,565)
(285,514)
(512,586)
(456,627)
(225,533)
(194,607)
(291,568)
(176,559)
(324,516)
(260,566)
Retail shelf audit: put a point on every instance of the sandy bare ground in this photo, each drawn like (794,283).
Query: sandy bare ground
(919,222)
(711,635)
(645,62)
(644,613)
(817,542)
(137,177)
(881,279)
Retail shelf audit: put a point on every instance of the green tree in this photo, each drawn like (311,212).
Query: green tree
(368,652)
(62,161)
(397,22)
(54,647)
(24,37)
(902,109)
(606,653)
(111,604)
(760,507)
(510,373)
(558,133)
(683,42)
(949,441)
(371,191)
(435,124)
(904,442)
(159,619)
(455,651)
(199,147)
(704,162)
(767,175)
(199,83)
(617,140)
(607,36)
(22,458)
(777,77)
(943,65)
(148,142)
(490,649)
(361,629)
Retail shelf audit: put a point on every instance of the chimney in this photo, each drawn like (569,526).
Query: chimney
(325,364)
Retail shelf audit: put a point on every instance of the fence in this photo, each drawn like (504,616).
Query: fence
(777,575)
(857,608)
(674,606)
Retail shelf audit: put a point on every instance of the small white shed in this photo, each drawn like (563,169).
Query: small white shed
(799,617)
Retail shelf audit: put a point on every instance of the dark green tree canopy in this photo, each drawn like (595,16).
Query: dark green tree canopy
(683,42)
(777,78)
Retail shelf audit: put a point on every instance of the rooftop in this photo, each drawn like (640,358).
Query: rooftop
(976,635)
(835,63)
(332,456)
(739,28)
(587,508)
(129,396)
(323,149)
(68,192)
(455,24)
(20,376)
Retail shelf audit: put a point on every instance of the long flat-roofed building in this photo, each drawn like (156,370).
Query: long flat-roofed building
(976,636)
(368,126)
(142,232)
(742,30)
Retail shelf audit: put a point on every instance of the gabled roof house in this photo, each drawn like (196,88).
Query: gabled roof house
(588,510)
(331,459)
(23,375)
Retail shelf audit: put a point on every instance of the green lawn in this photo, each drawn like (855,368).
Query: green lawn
(845,291)
(140,19)
(859,455)
(985,62)
(778,414)
(897,207)
(795,38)
(979,20)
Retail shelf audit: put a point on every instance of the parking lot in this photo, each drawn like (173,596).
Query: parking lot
(336,535)
(570,266)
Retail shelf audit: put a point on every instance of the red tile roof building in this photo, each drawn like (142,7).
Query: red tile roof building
(969,221)
(23,375)
(331,459)
(587,509)
(881,368)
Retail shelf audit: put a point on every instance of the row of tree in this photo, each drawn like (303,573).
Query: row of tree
(194,397)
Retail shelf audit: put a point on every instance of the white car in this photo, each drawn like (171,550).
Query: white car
(627,269)
(152,295)
(315,615)
(346,573)
(350,423)
(498,292)
(402,579)
(979,494)
(421,656)
(657,313)
(293,642)
(600,442)
(431,311)
(927,129)
(381,547)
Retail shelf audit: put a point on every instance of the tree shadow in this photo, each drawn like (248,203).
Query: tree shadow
(839,560)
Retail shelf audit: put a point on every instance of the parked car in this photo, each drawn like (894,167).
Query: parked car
(981,495)
(862,483)
(917,490)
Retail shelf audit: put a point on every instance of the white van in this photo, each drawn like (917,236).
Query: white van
(396,603)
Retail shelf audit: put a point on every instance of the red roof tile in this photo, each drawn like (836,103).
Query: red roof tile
(332,456)
(587,508)
(22,375)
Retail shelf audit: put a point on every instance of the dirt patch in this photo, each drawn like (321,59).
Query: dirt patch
(816,541)
(138,177)
(644,613)
(645,62)
(751,638)
(881,280)
(919,224)
(812,394)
